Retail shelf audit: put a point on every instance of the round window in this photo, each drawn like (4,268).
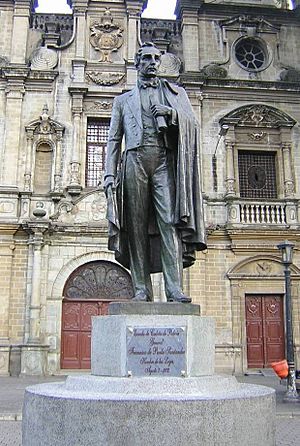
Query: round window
(251,54)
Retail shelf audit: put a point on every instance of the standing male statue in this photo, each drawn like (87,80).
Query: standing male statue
(153,190)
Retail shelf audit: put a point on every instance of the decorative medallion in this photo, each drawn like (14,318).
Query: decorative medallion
(106,36)
(99,280)
(44,59)
(104,78)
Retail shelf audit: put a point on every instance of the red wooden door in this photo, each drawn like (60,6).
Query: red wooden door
(76,332)
(265,330)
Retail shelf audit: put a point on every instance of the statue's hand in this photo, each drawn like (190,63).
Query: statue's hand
(160,110)
(109,182)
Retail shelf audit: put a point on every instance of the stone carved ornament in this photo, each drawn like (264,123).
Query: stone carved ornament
(87,209)
(106,36)
(258,115)
(290,75)
(257,136)
(98,106)
(104,78)
(44,59)
(214,70)
(170,65)
(45,125)
(3,61)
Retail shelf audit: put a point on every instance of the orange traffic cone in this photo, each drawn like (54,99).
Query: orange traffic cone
(281,368)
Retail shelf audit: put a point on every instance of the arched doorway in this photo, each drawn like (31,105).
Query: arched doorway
(88,292)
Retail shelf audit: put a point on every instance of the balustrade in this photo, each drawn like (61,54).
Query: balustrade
(256,213)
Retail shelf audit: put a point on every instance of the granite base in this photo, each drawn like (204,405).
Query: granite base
(91,410)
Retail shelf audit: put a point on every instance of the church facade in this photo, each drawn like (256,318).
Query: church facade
(239,62)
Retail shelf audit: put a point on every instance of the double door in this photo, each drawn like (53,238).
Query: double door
(76,332)
(264,330)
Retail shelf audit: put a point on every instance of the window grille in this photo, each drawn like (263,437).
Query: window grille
(257,174)
(97,135)
(251,54)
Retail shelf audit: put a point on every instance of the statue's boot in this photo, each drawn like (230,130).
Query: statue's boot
(180,297)
(141,297)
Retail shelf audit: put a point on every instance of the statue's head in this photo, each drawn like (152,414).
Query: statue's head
(147,60)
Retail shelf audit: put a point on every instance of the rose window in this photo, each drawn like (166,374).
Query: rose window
(251,54)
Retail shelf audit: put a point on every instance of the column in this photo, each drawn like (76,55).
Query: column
(36,242)
(230,177)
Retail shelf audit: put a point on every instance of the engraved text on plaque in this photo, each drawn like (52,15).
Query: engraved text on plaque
(159,351)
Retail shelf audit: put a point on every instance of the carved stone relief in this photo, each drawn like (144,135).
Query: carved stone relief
(44,59)
(290,75)
(91,208)
(257,136)
(106,36)
(104,78)
(264,268)
(258,115)
(170,65)
(3,61)
(98,106)
(259,267)
(213,70)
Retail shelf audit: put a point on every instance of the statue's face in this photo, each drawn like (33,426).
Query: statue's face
(149,62)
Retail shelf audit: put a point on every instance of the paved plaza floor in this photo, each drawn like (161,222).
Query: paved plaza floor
(12,392)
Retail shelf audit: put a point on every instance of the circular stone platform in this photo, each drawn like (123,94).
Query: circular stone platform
(104,411)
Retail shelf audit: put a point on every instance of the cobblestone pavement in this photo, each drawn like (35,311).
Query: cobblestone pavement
(287,432)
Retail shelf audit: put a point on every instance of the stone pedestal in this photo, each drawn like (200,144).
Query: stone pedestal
(180,404)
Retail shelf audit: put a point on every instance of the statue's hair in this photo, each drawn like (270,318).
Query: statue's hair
(139,52)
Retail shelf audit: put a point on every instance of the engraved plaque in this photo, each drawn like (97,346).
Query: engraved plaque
(159,351)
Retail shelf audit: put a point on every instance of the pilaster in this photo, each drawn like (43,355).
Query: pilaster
(134,10)
(15,90)
(77,94)
(187,12)
(20,30)
(6,256)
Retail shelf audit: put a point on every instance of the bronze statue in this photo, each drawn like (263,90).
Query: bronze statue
(155,209)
